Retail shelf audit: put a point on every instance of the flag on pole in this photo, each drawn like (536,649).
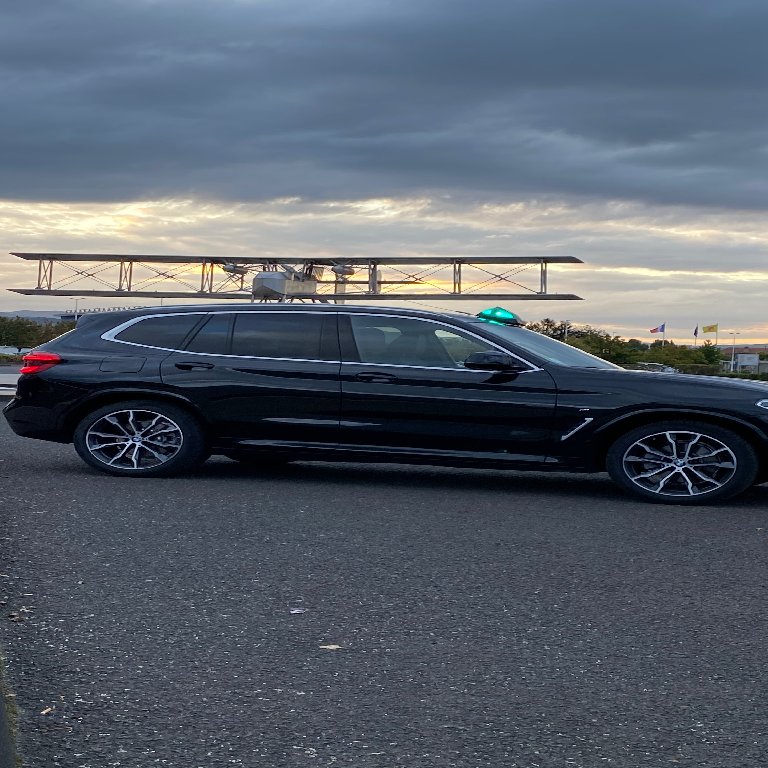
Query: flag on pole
(709,328)
(658,328)
(696,332)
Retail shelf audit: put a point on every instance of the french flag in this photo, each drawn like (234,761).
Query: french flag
(658,328)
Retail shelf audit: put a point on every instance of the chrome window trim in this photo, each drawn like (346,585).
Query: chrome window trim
(251,357)
(110,335)
(532,369)
(112,332)
(425,367)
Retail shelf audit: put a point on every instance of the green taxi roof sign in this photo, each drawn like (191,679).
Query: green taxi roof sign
(500,316)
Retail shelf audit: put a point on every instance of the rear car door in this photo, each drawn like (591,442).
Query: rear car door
(263,377)
(405,389)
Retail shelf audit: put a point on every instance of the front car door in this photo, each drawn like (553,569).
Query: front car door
(405,390)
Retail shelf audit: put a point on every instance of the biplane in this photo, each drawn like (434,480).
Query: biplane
(294,278)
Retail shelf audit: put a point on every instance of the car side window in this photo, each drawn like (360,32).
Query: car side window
(412,342)
(163,331)
(459,346)
(213,337)
(292,335)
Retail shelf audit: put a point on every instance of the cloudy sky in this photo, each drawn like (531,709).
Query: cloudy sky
(631,134)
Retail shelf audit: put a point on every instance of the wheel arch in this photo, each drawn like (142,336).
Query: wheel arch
(112,397)
(610,432)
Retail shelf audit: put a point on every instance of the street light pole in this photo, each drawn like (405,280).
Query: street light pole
(733,350)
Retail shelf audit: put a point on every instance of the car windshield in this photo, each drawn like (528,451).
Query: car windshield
(551,350)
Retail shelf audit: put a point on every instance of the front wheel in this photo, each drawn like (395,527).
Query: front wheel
(682,462)
(140,439)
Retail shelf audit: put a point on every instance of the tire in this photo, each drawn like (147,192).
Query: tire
(140,438)
(682,462)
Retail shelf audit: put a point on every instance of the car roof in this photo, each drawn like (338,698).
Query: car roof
(128,314)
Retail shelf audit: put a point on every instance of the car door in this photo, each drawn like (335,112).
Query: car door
(263,376)
(404,389)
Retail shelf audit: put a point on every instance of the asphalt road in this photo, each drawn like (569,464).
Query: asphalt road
(376,617)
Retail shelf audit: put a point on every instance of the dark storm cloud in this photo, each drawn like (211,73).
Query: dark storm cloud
(246,99)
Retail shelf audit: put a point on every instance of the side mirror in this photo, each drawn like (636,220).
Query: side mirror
(493,361)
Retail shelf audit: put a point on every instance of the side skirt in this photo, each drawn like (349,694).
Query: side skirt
(378,454)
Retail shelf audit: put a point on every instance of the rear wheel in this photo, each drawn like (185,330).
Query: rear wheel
(140,439)
(682,462)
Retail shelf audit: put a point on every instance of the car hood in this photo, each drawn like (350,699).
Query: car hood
(719,381)
(678,387)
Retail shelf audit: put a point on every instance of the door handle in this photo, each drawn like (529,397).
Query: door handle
(194,366)
(380,378)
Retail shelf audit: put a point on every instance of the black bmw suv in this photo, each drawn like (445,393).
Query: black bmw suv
(155,391)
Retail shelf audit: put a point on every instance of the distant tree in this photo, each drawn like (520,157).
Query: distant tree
(593,340)
(22,333)
(51,330)
(670,353)
(555,329)
(19,332)
(709,353)
(667,353)
(603,344)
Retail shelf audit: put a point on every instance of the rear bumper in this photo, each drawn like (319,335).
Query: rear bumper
(39,409)
(36,422)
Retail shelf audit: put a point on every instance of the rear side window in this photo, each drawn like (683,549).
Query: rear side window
(165,331)
(293,335)
(213,337)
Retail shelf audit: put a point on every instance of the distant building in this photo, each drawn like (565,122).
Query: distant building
(744,357)
(744,349)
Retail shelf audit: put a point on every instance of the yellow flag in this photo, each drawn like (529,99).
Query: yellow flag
(710,328)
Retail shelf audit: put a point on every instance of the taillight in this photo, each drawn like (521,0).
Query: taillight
(35,362)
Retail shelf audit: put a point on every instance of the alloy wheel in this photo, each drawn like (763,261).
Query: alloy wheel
(679,463)
(134,439)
